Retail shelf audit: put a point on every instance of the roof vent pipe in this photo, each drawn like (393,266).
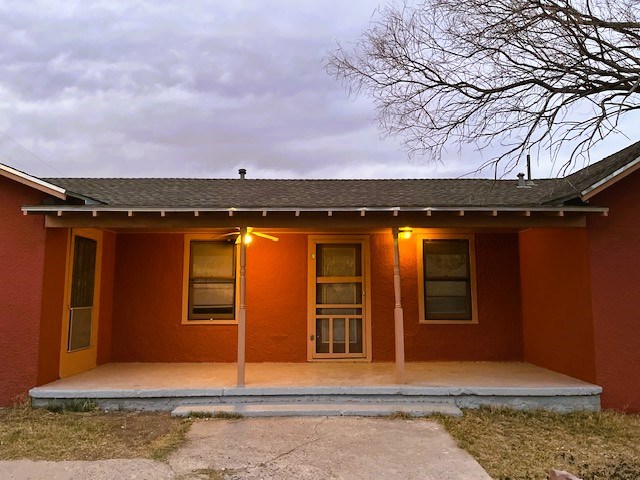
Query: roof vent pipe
(521,181)
(529,179)
(242,172)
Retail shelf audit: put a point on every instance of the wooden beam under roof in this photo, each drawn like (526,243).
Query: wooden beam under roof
(318,219)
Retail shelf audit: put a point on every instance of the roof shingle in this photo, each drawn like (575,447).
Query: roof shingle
(282,194)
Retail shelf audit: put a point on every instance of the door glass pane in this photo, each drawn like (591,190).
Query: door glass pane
(80,328)
(322,335)
(338,311)
(339,293)
(339,335)
(355,335)
(338,260)
(212,259)
(84,269)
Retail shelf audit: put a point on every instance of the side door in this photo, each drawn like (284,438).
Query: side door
(78,348)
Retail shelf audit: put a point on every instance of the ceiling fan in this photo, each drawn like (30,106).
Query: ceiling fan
(249,236)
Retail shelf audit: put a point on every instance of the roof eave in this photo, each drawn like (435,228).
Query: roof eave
(610,179)
(33,182)
(59,209)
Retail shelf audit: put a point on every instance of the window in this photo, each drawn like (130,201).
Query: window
(210,281)
(447,279)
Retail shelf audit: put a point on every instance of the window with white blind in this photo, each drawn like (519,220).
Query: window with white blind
(210,281)
(447,279)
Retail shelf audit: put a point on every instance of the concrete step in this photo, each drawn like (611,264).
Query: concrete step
(317,410)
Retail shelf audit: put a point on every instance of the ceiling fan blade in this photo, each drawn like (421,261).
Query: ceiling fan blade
(264,235)
(223,235)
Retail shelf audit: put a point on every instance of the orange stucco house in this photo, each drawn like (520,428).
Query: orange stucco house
(331,273)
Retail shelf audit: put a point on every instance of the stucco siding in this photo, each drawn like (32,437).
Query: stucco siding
(22,245)
(557,321)
(148,297)
(614,252)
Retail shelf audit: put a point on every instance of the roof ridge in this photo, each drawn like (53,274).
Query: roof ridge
(301,180)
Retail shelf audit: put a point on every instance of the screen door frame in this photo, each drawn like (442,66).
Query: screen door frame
(364,242)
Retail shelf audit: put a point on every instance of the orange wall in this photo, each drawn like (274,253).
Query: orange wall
(148,304)
(148,295)
(106,297)
(556,321)
(614,252)
(22,246)
(52,304)
(53,301)
(497,336)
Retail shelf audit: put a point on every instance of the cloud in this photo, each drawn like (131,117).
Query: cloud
(199,88)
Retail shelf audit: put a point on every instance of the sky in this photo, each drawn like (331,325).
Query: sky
(197,89)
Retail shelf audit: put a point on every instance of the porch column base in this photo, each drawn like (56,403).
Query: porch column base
(398,315)
(241,346)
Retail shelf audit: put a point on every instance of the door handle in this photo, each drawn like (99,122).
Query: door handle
(312,337)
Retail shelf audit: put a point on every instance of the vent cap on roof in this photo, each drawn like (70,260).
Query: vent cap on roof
(521,181)
(242,172)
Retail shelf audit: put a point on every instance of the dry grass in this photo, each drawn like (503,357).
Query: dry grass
(38,434)
(513,445)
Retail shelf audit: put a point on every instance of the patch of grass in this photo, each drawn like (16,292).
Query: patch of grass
(513,445)
(197,415)
(227,415)
(401,416)
(38,434)
(74,405)
(219,415)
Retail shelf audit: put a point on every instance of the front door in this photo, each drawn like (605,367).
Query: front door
(78,349)
(339,326)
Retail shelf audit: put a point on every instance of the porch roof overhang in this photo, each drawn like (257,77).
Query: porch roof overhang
(297,217)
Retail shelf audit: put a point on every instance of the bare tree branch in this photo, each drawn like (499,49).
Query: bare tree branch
(507,73)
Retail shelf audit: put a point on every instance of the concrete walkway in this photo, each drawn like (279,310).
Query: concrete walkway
(286,449)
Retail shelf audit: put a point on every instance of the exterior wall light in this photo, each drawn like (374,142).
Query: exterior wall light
(405,232)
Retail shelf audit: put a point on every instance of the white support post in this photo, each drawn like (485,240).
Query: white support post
(242,310)
(398,314)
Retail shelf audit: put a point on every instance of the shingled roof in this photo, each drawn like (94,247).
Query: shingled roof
(593,174)
(225,193)
(282,194)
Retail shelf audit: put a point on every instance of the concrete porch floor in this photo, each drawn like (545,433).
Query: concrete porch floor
(201,376)
(332,386)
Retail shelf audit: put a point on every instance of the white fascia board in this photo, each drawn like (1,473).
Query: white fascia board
(585,194)
(106,208)
(34,182)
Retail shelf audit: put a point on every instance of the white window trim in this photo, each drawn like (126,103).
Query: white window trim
(472,274)
(188,238)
